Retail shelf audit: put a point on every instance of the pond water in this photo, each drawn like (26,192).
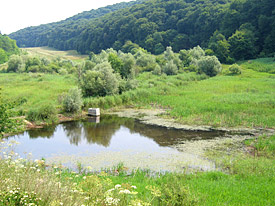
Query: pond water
(108,140)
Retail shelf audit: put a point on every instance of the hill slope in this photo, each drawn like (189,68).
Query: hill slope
(248,25)
(52,33)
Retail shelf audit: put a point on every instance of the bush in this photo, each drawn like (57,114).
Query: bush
(101,81)
(235,69)
(170,68)
(14,63)
(209,65)
(72,101)
(45,112)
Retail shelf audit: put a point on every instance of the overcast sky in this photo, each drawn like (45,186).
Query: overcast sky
(18,14)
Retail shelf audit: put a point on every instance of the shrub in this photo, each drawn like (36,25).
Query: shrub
(170,68)
(14,63)
(209,65)
(157,70)
(63,71)
(235,69)
(72,101)
(46,112)
(101,81)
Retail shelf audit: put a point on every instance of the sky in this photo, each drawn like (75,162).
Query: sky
(19,14)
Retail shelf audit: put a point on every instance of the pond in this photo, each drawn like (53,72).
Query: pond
(109,140)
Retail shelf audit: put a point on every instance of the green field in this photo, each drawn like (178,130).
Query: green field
(34,90)
(245,100)
(51,53)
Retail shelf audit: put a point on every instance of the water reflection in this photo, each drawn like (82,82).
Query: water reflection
(100,131)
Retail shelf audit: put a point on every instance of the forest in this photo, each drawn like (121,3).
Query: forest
(230,29)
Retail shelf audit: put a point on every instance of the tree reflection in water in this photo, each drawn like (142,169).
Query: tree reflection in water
(101,132)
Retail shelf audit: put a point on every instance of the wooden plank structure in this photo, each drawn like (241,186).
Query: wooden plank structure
(94,112)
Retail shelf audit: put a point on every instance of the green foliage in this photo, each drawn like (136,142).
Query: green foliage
(209,65)
(242,43)
(72,101)
(16,197)
(175,193)
(44,112)
(261,65)
(235,69)
(264,145)
(3,56)
(170,68)
(219,45)
(101,81)
(7,124)
(14,63)
(115,62)
(154,25)
(7,48)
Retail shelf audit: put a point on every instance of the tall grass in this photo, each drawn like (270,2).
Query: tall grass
(244,100)
(33,90)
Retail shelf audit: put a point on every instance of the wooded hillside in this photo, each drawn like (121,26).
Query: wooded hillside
(231,29)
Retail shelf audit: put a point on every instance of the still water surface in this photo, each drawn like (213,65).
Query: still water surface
(106,141)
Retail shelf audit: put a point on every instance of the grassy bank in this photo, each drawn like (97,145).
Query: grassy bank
(33,90)
(245,100)
(244,180)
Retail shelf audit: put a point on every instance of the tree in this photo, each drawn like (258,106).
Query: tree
(242,43)
(14,63)
(170,68)
(219,45)
(3,56)
(100,81)
(209,65)
(116,62)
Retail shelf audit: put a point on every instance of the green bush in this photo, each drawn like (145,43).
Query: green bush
(209,65)
(14,63)
(46,112)
(101,81)
(170,68)
(235,69)
(72,101)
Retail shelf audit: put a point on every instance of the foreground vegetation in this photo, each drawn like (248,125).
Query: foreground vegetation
(244,180)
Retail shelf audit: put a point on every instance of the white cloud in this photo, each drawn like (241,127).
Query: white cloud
(18,14)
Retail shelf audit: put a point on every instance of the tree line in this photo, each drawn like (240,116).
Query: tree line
(7,48)
(230,29)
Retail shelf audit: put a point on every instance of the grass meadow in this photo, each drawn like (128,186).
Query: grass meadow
(32,90)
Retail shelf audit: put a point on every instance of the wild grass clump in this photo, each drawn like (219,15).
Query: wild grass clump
(263,145)
(45,113)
